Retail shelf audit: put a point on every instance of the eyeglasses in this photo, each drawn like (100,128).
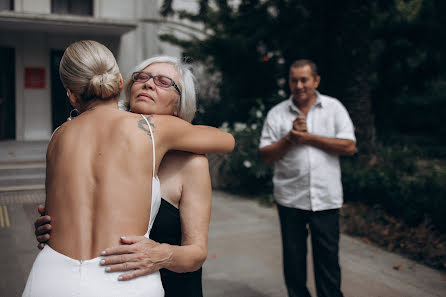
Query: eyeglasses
(159,80)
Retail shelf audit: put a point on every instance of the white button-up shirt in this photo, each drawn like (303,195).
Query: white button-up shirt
(307,177)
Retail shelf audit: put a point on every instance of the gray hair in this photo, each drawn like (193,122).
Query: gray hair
(89,70)
(305,62)
(187,101)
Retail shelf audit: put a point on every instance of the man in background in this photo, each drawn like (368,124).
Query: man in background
(304,137)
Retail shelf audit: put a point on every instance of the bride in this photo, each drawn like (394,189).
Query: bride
(101,178)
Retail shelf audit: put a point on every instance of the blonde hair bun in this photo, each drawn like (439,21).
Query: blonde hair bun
(90,70)
(103,85)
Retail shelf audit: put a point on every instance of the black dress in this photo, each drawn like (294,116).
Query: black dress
(167,229)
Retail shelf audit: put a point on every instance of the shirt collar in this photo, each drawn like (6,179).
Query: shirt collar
(295,109)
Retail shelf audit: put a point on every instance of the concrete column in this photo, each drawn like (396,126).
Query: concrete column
(36,112)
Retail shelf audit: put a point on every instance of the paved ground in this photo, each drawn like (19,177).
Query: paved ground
(245,259)
(17,243)
(244,244)
(244,254)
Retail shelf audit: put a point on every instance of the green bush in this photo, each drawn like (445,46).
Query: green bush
(242,170)
(396,184)
(422,112)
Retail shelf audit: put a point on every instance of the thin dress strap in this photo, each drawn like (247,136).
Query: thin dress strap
(153,143)
(54,132)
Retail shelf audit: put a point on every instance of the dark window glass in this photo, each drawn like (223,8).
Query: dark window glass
(78,7)
(6,4)
(7,93)
(60,106)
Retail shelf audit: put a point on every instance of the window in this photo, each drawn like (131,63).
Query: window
(6,5)
(60,108)
(77,7)
(7,93)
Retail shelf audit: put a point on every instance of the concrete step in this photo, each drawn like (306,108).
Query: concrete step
(22,165)
(27,187)
(21,176)
(22,182)
(21,151)
(27,176)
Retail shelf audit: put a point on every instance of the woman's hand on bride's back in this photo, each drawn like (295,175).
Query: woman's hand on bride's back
(138,254)
(42,227)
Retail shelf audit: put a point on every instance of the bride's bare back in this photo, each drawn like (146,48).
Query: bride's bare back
(99,174)
(99,178)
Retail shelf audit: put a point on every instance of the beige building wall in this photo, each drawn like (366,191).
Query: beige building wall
(33,32)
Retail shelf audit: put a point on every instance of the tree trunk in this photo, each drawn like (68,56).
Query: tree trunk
(348,37)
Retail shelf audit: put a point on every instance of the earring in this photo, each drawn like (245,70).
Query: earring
(68,95)
(71,114)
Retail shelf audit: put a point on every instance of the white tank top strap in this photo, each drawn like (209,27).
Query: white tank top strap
(156,188)
(153,143)
(54,132)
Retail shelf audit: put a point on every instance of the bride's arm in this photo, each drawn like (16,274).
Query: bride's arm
(177,134)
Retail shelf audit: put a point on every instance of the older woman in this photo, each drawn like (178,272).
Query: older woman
(100,182)
(184,214)
(185,187)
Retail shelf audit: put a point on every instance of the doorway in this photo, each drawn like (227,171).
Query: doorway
(7,93)
(60,104)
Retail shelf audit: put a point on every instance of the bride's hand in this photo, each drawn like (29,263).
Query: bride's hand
(138,254)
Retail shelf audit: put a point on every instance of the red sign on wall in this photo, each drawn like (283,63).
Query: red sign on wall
(34,78)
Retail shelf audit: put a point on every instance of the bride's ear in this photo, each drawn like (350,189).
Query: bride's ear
(74,99)
(121,82)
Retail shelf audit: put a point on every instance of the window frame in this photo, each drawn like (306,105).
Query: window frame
(69,7)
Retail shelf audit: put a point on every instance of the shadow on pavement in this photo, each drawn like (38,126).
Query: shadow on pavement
(218,288)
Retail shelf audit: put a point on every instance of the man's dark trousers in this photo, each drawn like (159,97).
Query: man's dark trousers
(324,228)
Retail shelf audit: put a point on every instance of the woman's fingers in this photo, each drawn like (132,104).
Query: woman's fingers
(131,246)
(122,267)
(145,266)
(43,239)
(43,229)
(132,239)
(134,274)
(41,209)
(44,220)
(118,250)
(132,257)
(120,259)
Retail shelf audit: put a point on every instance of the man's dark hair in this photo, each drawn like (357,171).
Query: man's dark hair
(305,62)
